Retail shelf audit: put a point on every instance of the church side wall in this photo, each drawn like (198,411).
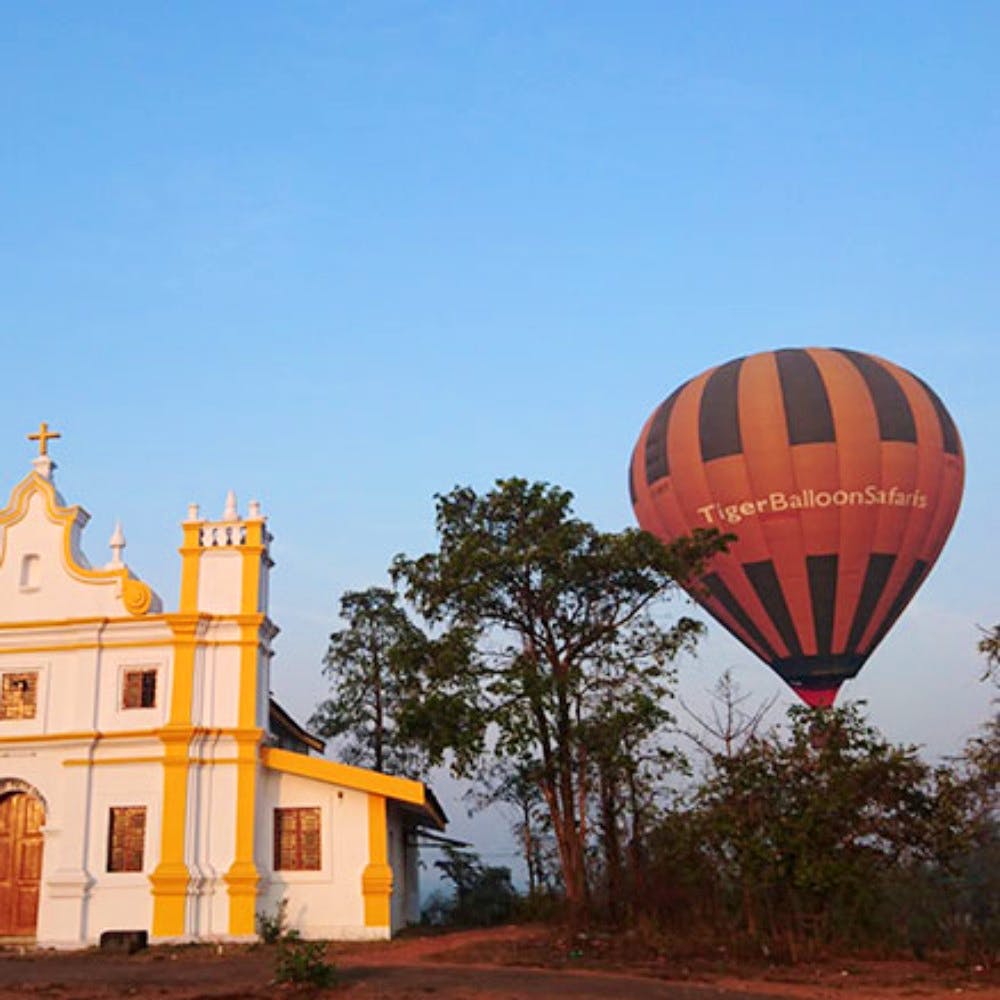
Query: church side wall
(325,903)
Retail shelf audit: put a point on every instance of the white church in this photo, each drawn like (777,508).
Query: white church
(148,780)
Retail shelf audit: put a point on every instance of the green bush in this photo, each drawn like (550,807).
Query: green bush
(299,961)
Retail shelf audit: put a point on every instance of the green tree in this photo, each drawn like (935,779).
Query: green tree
(982,752)
(551,613)
(623,734)
(483,894)
(513,785)
(369,664)
(805,829)
(989,646)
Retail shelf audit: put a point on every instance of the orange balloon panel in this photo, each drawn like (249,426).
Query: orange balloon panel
(840,473)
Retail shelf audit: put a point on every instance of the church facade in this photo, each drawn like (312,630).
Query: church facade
(148,781)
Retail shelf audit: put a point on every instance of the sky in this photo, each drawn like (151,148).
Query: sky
(339,257)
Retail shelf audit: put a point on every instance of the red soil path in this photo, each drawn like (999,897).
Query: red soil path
(497,964)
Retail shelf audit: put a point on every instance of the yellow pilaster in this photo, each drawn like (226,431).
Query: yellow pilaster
(191,553)
(376,880)
(185,627)
(242,877)
(253,552)
(170,878)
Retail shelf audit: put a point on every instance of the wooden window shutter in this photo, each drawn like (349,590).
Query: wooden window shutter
(139,688)
(297,840)
(126,838)
(309,846)
(148,695)
(132,689)
(19,695)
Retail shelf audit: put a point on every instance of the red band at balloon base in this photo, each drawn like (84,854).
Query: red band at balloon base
(818,697)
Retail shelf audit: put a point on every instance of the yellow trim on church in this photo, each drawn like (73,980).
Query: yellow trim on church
(346,775)
(137,597)
(190,552)
(170,879)
(376,880)
(242,878)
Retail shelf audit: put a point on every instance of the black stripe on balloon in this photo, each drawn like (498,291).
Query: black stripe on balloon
(876,577)
(719,416)
(895,418)
(657,460)
(910,586)
(765,583)
(718,589)
(822,572)
(807,407)
(812,672)
(949,432)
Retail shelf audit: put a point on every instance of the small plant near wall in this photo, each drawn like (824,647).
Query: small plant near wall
(303,962)
(271,927)
(295,961)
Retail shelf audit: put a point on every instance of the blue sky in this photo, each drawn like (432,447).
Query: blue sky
(339,256)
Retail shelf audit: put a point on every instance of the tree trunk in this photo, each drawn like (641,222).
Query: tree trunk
(611,844)
(529,848)
(379,721)
(636,867)
(570,851)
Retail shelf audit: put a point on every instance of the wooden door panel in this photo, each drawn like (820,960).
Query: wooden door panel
(21,819)
(6,857)
(29,862)
(26,912)
(7,894)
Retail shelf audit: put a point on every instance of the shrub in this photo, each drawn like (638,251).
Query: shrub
(301,961)
(271,927)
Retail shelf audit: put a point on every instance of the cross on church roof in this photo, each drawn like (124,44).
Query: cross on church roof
(43,436)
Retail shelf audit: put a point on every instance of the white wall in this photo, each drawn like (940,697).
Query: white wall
(79,897)
(326,903)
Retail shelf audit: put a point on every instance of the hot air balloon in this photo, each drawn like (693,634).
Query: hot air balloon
(840,473)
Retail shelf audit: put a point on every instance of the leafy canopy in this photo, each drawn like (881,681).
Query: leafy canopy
(369,664)
(544,615)
(550,652)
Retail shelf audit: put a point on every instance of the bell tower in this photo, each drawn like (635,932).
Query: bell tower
(221,685)
(225,563)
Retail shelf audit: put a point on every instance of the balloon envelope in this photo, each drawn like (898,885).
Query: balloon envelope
(840,473)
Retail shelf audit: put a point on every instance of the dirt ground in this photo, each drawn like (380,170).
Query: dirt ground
(497,964)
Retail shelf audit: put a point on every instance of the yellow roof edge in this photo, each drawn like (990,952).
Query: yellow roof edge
(334,773)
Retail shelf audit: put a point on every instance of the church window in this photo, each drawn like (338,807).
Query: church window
(30,572)
(126,838)
(139,688)
(296,839)
(18,695)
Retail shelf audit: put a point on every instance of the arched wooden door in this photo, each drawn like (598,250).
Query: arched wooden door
(21,819)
